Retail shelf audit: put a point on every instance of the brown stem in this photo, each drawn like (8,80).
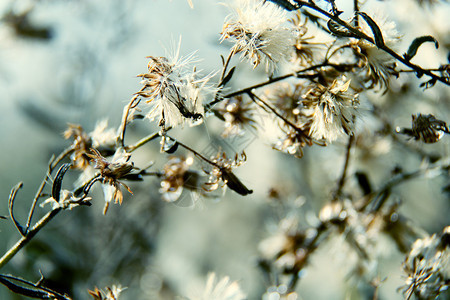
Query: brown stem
(341,182)
(297,74)
(25,239)
(51,166)
(142,142)
(133,103)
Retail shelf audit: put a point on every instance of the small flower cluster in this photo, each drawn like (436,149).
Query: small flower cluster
(101,137)
(332,110)
(320,115)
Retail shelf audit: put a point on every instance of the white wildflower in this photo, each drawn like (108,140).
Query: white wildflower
(224,289)
(333,110)
(258,32)
(378,64)
(174,90)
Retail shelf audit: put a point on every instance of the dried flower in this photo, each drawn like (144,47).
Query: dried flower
(287,248)
(377,65)
(222,170)
(293,142)
(224,289)
(112,293)
(81,145)
(174,90)
(332,110)
(287,100)
(303,49)
(425,128)
(428,267)
(111,172)
(256,28)
(100,137)
(177,175)
(236,114)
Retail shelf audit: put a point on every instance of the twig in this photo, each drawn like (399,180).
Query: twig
(341,182)
(359,34)
(51,166)
(297,74)
(26,239)
(142,142)
(123,125)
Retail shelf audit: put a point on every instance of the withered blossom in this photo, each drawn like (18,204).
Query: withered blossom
(256,27)
(81,145)
(425,128)
(223,289)
(111,172)
(287,249)
(294,141)
(428,267)
(286,99)
(332,110)
(111,293)
(236,114)
(222,171)
(174,91)
(377,65)
(178,176)
(100,138)
(303,48)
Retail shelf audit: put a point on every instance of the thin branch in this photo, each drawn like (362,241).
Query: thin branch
(142,141)
(382,194)
(123,125)
(254,98)
(297,74)
(359,34)
(11,201)
(341,182)
(26,239)
(51,166)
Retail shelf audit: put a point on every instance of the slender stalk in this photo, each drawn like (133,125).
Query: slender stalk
(142,142)
(51,166)
(341,182)
(195,153)
(297,74)
(123,125)
(26,239)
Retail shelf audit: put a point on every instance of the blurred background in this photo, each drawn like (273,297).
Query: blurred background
(76,61)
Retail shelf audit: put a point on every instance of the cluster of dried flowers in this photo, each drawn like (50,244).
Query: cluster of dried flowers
(319,100)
